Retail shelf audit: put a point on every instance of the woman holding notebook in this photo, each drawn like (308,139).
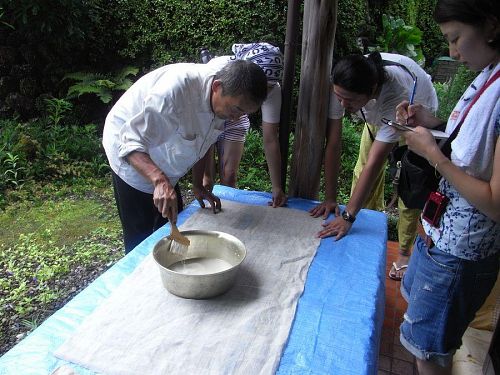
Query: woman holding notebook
(454,266)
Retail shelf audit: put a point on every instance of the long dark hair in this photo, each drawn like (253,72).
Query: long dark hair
(470,12)
(359,74)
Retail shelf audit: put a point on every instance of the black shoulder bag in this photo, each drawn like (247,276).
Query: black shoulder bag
(417,178)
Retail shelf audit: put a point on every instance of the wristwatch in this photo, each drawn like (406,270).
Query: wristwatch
(348,217)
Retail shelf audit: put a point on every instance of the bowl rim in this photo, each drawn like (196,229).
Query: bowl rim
(201,232)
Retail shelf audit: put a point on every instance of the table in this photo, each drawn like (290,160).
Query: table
(337,326)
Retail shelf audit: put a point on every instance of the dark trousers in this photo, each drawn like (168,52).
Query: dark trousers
(138,214)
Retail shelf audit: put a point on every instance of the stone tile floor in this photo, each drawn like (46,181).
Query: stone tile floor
(394,359)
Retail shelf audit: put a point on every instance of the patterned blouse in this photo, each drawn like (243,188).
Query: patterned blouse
(464,231)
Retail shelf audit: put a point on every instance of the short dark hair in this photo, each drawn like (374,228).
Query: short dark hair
(471,12)
(241,77)
(359,74)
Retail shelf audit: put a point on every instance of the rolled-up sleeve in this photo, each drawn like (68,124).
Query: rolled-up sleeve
(335,109)
(148,128)
(271,108)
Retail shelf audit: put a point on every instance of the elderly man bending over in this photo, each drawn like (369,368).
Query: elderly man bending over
(162,127)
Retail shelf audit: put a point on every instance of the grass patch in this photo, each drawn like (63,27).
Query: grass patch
(52,246)
(66,220)
(67,216)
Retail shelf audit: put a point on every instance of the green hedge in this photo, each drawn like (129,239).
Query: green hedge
(51,38)
(158,32)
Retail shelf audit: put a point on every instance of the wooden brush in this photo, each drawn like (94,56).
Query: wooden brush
(180,243)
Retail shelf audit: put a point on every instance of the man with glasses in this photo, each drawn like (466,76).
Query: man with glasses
(162,127)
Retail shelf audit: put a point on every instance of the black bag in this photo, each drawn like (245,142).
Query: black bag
(417,180)
(412,177)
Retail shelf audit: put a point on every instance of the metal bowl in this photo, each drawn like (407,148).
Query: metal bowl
(207,269)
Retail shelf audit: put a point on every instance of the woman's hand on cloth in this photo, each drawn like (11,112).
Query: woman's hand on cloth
(338,227)
(323,209)
(279,198)
(201,194)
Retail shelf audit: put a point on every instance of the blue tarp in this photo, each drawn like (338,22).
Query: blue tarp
(339,317)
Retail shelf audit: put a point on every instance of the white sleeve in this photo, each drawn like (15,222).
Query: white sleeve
(149,128)
(271,108)
(335,109)
(387,134)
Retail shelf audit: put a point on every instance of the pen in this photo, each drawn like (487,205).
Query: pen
(412,95)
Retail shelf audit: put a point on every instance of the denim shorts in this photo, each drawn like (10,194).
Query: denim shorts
(443,294)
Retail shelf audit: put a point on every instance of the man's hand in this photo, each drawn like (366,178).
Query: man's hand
(324,209)
(338,227)
(279,198)
(164,196)
(201,194)
(165,200)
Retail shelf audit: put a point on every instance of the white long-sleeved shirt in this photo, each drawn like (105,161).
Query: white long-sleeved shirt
(167,114)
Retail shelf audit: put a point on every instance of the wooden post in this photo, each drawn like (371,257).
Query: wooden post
(292,27)
(320,19)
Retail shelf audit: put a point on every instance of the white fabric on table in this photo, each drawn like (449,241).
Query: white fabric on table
(143,329)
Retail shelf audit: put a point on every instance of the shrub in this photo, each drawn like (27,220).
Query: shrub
(253,173)
(39,150)
(160,32)
(450,92)
(397,37)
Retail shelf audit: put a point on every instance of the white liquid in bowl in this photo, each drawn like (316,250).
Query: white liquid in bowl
(200,266)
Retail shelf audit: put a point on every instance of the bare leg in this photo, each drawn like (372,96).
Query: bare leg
(407,229)
(230,157)
(430,368)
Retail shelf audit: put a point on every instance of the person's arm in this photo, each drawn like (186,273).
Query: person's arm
(483,195)
(164,196)
(333,151)
(199,191)
(209,173)
(376,158)
(273,157)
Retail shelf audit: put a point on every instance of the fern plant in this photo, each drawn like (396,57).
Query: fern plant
(99,84)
